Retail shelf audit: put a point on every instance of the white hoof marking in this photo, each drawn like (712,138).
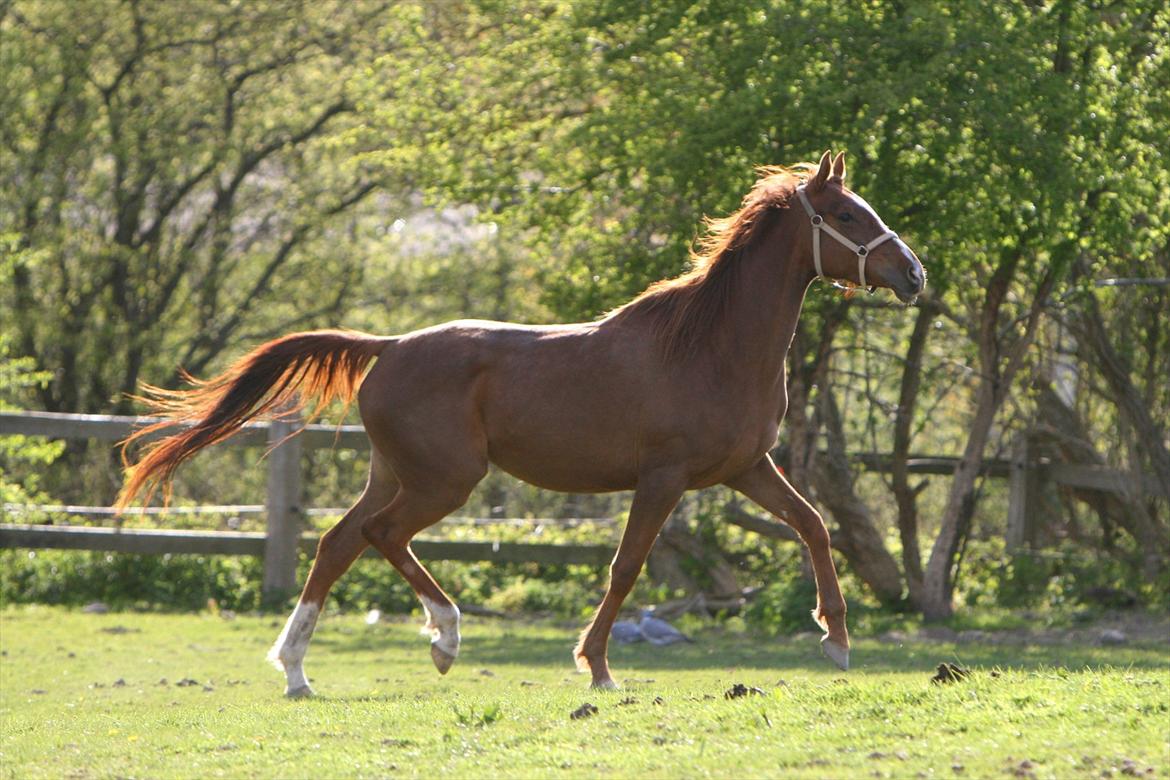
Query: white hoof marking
(442,626)
(288,652)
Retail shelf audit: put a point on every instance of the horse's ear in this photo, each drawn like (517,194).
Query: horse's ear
(822,175)
(839,168)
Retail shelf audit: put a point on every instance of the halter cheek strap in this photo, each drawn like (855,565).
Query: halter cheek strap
(818,224)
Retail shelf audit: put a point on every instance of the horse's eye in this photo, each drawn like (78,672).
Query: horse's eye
(845,216)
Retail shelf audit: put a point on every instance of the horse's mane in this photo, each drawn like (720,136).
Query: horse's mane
(685,310)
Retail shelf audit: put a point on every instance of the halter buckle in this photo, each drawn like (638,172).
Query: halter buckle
(816,220)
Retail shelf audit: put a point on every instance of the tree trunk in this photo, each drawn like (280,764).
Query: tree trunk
(735,514)
(1098,349)
(938,585)
(680,559)
(905,495)
(999,361)
(858,539)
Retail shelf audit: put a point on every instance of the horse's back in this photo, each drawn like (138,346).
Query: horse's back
(556,405)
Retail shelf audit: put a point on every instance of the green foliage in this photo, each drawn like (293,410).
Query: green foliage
(1068,577)
(567,598)
(179,175)
(783,607)
(1024,582)
(1012,144)
(23,459)
(612,125)
(177,582)
(371,584)
(188,582)
(1064,579)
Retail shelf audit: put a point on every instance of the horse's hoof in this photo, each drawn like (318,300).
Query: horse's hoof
(304,692)
(836,653)
(606,684)
(442,659)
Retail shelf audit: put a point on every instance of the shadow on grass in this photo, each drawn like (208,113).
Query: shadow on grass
(542,646)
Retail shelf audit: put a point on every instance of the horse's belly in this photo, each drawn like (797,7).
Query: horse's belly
(567,463)
(567,479)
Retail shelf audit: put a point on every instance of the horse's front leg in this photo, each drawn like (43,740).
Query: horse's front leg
(765,485)
(654,498)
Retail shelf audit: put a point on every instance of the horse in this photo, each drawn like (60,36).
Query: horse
(681,388)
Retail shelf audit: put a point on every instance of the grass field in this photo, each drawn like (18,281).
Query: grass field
(148,695)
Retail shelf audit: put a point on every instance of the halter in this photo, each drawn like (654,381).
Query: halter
(861,250)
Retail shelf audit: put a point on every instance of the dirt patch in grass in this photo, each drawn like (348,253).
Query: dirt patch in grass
(739,690)
(949,673)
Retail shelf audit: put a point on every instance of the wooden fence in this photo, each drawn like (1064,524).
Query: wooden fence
(284,527)
(284,537)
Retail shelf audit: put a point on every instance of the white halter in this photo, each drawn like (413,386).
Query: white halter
(818,224)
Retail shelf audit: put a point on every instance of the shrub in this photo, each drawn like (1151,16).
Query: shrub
(783,607)
(564,599)
(187,582)
(183,582)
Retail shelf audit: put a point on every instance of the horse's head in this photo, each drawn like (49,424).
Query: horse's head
(860,249)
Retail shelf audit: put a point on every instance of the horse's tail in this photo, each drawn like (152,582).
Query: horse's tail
(322,365)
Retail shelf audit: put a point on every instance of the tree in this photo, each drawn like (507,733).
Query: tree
(183,174)
(993,136)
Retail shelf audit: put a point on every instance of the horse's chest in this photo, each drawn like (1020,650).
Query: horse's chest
(730,449)
(755,432)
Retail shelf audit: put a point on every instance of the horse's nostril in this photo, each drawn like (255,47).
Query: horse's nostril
(915,276)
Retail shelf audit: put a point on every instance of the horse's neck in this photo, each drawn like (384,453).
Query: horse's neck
(769,296)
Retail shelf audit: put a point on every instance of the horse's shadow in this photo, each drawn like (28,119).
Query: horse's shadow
(745,652)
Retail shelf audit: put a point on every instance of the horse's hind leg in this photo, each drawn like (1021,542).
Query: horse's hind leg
(390,531)
(338,549)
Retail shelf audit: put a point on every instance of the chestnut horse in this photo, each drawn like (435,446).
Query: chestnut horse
(681,388)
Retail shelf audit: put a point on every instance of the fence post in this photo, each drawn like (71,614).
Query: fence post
(1018,508)
(1027,482)
(283,509)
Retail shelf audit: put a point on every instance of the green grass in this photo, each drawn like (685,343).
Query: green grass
(1077,711)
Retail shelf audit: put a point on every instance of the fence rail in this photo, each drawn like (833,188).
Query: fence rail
(241,510)
(283,538)
(114,427)
(159,542)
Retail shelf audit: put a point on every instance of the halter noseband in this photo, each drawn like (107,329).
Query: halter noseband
(818,224)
